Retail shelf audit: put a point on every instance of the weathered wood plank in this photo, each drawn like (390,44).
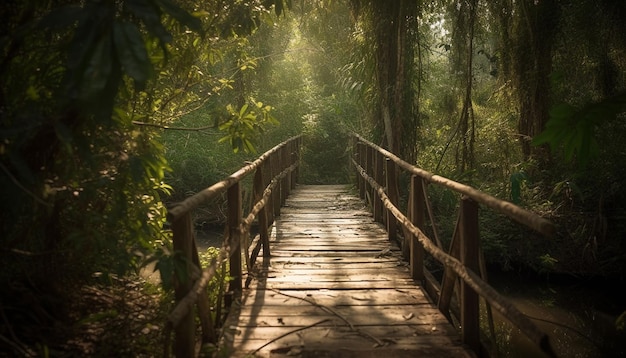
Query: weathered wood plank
(343,345)
(353,273)
(372,297)
(393,332)
(335,286)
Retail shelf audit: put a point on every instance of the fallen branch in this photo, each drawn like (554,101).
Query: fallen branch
(288,333)
(191,129)
(379,343)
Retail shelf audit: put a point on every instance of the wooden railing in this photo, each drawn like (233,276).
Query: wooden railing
(275,174)
(377,180)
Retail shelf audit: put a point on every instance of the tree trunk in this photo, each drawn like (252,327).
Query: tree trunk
(533,59)
(391,22)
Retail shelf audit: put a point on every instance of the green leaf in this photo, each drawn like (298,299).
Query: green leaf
(98,71)
(150,14)
(243,110)
(131,52)
(62,17)
(181,15)
(166,271)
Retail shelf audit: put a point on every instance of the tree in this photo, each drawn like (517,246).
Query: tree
(390,30)
(82,175)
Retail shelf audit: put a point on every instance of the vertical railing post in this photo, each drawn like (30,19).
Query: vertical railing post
(362,181)
(294,159)
(378,176)
(469,257)
(417,218)
(234,236)
(355,156)
(267,178)
(204,310)
(392,192)
(298,158)
(184,341)
(276,191)
(367,166)
(259,188)
(286,182)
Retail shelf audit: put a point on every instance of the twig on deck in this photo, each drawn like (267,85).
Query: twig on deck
(288,333)
(379,343)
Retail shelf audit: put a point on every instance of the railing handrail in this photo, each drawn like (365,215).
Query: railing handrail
(220,187)
(463,266)
(509,209)
(275,168)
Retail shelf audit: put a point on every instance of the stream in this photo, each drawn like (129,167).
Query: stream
(579,317)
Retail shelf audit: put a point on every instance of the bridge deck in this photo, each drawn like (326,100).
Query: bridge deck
(336,287)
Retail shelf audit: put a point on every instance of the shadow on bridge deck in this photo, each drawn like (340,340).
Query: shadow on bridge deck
(336,287)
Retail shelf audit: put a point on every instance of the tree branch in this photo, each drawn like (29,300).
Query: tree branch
(192,129)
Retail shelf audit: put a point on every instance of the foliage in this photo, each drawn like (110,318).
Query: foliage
(84,85)
(325,156)
(245,124)
(573,130)
(82,173)
(215,287)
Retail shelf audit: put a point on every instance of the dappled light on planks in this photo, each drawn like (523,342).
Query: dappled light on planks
(335,286)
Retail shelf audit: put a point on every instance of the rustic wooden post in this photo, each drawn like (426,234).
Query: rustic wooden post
(259,188)
(378,176)
(355,156)
(267,179)
(392,193)
(299,156)
(294,159)
(204,311)
(369,162)
(449,279)
(234,236)
(185,331)
(417,214)
(470,258)
(362,181)
(284,184)
(276,191)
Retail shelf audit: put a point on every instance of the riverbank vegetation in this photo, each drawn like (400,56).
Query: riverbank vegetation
(111,111)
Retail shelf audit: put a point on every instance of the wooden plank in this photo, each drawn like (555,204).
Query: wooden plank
(371,297)
(333,265)
(307,253)
(337,260)
(353,273)
(343,345)
(335,286)
(294,316)
(344,285)
(393,332)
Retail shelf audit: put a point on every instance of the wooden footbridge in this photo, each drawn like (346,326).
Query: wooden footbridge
(340,272)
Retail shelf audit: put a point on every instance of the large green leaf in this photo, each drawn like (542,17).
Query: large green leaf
(573,130)
(181,15)
(131,52)
(62,17)
(98,71)
(150,14)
